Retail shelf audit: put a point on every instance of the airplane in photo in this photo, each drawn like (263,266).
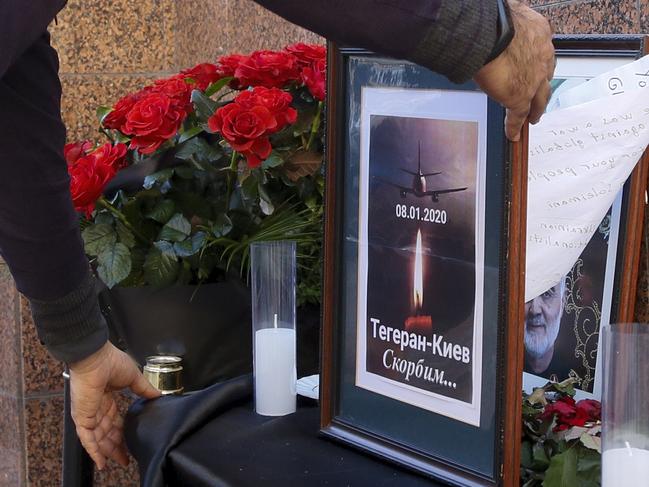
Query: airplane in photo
(419,186)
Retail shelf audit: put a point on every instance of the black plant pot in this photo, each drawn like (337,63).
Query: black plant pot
(208,325)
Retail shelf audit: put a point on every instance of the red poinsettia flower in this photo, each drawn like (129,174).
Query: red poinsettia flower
(153,120)
(90,174)
(271,69)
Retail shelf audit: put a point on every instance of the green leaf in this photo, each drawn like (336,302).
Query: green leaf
(526,454)
(265,203)
(562,471)
(197,149)
(114,264)
(204,106)
(176,229)
(589,467)
(184,172)
(249,190)
(160,269)
(217,85)
(273,160)
(190,246)
(162,212)
(104,217)
(165,247)
(125,235)
(102,112)
(541,460)
(158,178)
(222,225)
(98,238)
(188,134)
(591,442)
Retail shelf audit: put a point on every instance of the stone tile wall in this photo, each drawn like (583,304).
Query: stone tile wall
(108,48)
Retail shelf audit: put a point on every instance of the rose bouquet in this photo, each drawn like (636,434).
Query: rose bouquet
(561,438)
(201,164)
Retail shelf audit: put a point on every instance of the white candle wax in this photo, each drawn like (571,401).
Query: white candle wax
(275,374)
(625,467)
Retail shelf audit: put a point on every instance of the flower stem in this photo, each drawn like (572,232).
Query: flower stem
(315,125)
(231,177)
(104,203)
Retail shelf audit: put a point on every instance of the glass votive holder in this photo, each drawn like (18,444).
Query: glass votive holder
(625,405)
(272,276)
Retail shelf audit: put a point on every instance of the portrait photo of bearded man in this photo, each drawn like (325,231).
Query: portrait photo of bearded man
(543,316)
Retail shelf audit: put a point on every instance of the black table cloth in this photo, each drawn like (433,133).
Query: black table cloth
(213,438)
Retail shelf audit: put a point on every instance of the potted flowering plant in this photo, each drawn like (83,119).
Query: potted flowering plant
(561,443)
(195,168)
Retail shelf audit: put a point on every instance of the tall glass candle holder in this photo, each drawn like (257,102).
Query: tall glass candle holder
(625,405)
(272,268)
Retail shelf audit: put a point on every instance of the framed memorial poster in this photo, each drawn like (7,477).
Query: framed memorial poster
(562,324)
(424,252)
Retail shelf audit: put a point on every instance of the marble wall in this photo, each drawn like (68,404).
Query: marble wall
(110,47)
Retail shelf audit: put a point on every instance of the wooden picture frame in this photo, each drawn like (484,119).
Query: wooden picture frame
(601,288)
(377,416)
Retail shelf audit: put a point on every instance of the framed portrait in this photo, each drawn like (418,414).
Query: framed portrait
(424,258)
(562,325)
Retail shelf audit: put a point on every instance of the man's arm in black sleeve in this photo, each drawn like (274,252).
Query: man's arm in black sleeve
(451,37)
(21,23)
(39,231)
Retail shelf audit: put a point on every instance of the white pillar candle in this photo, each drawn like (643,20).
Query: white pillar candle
(275,374)
(625,467)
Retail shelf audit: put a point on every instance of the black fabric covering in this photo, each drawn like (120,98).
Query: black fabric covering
(213,438)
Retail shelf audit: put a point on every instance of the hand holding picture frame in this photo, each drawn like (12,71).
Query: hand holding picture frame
(424,252)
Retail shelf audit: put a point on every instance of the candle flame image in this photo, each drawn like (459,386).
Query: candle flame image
(418,288)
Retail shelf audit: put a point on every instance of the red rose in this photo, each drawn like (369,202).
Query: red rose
(568,413)
(245,129)
(590,408)
(153,120)
(111,155)
(175,88)
(227,65)
(117,116)
(277,101)
(75,150)
(267,68)
(314,78)
(90,174)
(307,54)
(203,75)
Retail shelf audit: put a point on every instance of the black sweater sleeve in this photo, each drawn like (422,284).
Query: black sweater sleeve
(39,230)
(451,37)
(21,23)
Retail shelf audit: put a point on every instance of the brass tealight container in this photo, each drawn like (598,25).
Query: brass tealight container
(164,372)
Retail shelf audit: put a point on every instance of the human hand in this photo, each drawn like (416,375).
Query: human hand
(94,410)
(520,77)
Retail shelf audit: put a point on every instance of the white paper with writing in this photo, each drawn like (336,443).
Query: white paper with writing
(579,159)
(618,81)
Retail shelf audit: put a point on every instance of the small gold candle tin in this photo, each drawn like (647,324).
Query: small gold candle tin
(164,372)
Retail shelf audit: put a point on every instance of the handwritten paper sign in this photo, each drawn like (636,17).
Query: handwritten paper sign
(629,77)
(579,159)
